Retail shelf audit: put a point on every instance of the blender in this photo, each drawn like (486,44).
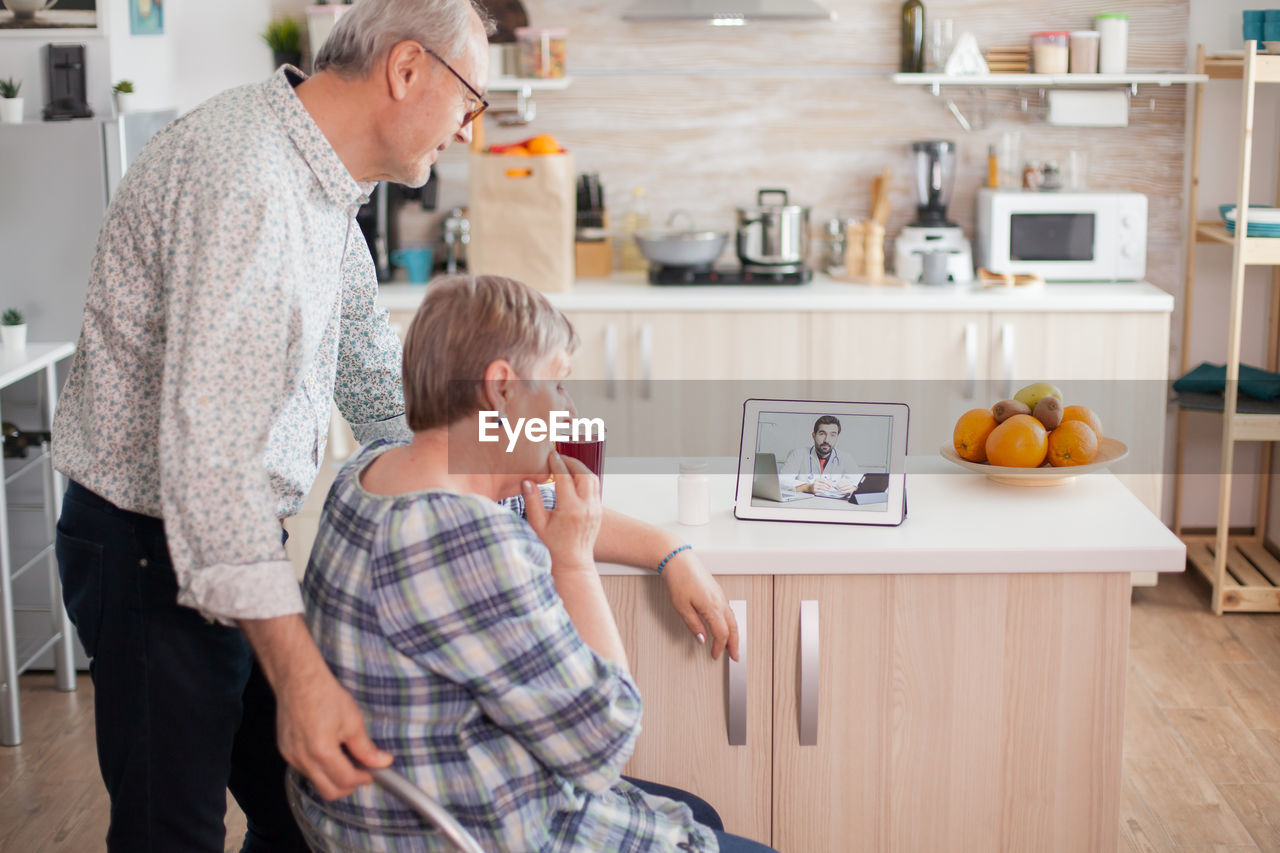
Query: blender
(931,232)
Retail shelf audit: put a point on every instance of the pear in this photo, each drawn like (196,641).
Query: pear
(1048,412)
(1036,391)
(1006,409)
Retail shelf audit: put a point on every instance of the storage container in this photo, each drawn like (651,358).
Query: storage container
(1113,47)
(540,52)
(1049,53)
(1084,52)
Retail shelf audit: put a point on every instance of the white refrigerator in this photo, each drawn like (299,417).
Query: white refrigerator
(55,180)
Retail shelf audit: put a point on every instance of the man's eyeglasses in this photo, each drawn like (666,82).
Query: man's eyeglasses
(473,113)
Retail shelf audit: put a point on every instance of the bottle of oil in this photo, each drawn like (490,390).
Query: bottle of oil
(634,220)
(912,59)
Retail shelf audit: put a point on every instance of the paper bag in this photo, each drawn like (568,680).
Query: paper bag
(522,214)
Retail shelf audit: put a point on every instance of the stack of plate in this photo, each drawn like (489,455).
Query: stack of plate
(1264,221)
(1009,60)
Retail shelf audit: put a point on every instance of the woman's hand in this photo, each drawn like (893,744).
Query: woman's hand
(698,598)
(569,531)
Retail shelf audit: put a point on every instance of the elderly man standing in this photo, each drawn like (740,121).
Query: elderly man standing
(231,301)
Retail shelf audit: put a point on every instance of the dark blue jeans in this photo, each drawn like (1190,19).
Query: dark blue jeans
(182,711)
(704,814)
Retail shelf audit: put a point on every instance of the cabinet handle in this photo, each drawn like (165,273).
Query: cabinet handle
(611,361)
(1006,346)
(646,360)
(970,359)
(810,661)
(738,679)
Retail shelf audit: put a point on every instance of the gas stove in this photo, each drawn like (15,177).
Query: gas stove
(728,275)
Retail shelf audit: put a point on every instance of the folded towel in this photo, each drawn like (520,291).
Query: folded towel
(1208,378)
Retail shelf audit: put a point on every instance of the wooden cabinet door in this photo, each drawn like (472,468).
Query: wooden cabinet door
(934,362)
(1116,364)
(601,375)
(693,370)
(685,740)
(954,712)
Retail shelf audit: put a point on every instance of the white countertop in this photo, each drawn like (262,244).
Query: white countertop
(957,522)
(631,292)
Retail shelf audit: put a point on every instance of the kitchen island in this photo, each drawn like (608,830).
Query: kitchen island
(653,356)
(956,683)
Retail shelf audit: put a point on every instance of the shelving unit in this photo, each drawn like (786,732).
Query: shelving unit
(1244,574)
(38,358)
(1040,82)
(1133,79)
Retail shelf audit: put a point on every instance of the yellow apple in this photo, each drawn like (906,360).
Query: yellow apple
(1035,392)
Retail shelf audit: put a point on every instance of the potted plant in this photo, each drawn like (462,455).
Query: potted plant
(13,331)
(10,103)
(122,93)
(284,37)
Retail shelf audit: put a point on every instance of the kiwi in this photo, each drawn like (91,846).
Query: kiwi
(1048,412)
(1006,409)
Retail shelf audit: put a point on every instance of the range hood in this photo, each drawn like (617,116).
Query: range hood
(727,11)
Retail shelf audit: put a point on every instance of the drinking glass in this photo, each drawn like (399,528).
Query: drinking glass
(1009,154)
(589,452)
(941,40)
(1077,170)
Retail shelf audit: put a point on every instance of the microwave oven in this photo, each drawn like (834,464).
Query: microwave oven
(1063,236)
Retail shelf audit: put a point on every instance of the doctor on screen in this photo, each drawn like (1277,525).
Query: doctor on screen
(818,468)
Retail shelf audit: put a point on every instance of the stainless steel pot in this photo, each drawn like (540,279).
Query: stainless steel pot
(773,235)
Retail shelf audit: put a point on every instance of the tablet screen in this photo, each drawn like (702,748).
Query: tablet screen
(837,462)
(828,461)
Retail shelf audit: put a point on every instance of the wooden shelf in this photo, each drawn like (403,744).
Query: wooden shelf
(1267,69)
(1241,572)
(1258,251)
(1213,232)
(1203,401)
(1252,582)
(1255,427)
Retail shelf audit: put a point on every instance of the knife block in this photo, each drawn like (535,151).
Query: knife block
(593,258)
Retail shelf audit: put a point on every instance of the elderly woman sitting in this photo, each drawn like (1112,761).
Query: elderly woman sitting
(479,642)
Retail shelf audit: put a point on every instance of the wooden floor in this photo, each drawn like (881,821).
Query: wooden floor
(1201,744)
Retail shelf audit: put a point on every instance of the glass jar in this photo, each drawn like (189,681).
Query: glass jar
(1049,52)
(540,52)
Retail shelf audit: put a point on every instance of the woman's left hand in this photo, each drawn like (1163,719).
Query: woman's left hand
(698,599)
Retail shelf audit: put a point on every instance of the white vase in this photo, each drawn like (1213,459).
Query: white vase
(15,340)
(11,110)
(124,102)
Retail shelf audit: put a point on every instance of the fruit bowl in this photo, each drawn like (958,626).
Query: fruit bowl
(1109,450)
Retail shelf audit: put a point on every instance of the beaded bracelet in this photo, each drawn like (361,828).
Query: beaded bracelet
(667,559)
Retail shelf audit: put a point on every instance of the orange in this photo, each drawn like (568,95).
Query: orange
(544,144)
(517,151)
(1086,414)
(1072,443)
(1019,442)
(970,434)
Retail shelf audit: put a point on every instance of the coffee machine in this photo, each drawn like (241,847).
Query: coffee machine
(378,218)
(931,232)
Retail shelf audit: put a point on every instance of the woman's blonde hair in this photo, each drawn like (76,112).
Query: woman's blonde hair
(464,324)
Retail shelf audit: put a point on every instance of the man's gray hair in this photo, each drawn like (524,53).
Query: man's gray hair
(370,28)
